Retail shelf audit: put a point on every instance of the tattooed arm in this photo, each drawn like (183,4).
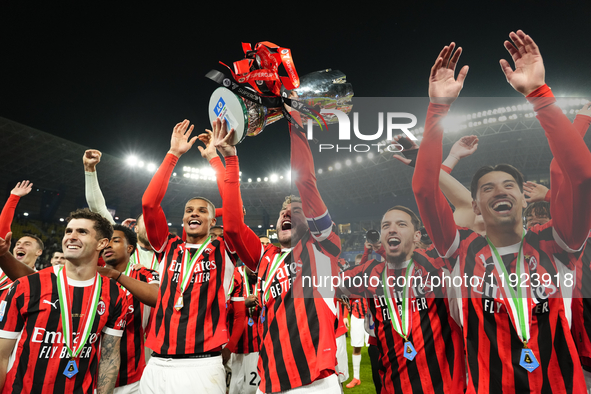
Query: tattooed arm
(109,364)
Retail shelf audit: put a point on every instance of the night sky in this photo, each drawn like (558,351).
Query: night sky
(118,78)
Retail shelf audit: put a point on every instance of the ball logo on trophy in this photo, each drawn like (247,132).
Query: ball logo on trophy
(255,96)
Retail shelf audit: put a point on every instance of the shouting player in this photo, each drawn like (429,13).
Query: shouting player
(517,339)
(298,347)
(189,326)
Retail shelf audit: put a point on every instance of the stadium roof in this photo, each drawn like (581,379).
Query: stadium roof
(356,191)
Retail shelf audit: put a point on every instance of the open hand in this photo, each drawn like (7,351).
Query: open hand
(443,87)
(529,67)
(179,141)
(22,188)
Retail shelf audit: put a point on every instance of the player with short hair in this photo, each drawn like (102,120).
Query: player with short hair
(516,339)
(189,327)
(64,313)
(57,257)
(118,266)
(419,343)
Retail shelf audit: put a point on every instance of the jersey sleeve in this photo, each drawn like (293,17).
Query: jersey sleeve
(8,214)
(148,276)
(154,218)
(302,166)
(570,210)
(94,196)
(11,311)
(237,292)
(115,325)
(240,237)
(355,281)
(434,210)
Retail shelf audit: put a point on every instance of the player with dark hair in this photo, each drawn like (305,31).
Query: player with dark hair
(64,312)
(189,327)
(420,345)
(516,339)
(117,256)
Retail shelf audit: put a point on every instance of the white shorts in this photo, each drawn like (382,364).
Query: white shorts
(359,336)
(133,388)
(328,385)
(245,378)
(587,376)
(187,375)
(342,359)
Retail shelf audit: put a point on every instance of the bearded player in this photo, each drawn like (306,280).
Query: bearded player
(298,347)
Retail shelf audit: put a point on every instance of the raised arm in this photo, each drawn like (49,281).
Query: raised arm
(433,207)
(20,190)
(536,192)
(241,237)
(109,364)
(571,212)
(94,195)
(453,190)
(154,218)
(302,167)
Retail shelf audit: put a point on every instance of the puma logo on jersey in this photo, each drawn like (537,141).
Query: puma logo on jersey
(53,304)
(484,260)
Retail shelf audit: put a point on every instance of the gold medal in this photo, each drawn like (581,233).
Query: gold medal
(179,303)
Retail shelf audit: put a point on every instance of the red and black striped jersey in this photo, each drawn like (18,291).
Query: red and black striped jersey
(493,348)
(358,307)
(298,315)
(5,282)
(133,360)
(32,306)
(200,325)
(234,295)
(339,323)
(249,341)
(438,366)
(581,306)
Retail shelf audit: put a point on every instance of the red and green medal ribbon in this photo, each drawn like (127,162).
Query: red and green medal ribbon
(401,324)
(86,322)
(187,269)
(517,301)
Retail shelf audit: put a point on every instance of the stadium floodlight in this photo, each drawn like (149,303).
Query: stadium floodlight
(274,178)
(370,155)
(62,219)
(131,161)
(358,159)
(187,175)
(258,179)
(174,174)
(320,171)
(169,224)
(151,167)
(26,214)
(266,179)
(140,164)
(337,166)
(260,226)
(249,180)
(348,162)
(330,168)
